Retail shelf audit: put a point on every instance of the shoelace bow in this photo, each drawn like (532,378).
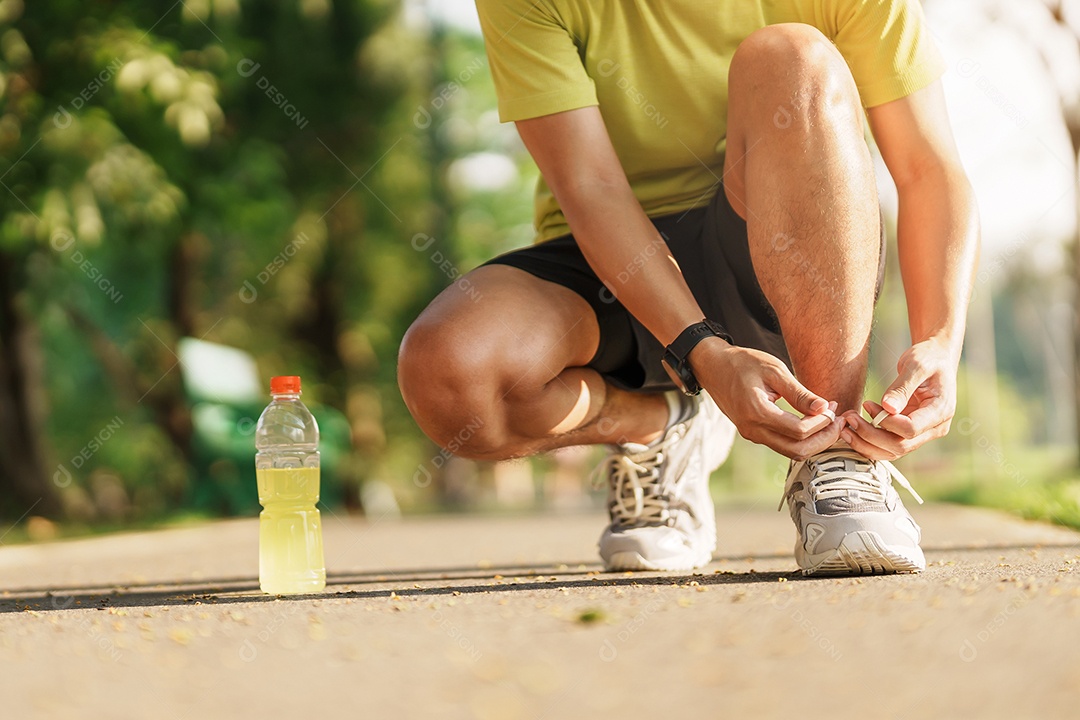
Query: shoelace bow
(636,477)
(835,480)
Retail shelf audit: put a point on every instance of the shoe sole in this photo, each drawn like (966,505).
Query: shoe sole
(865,553)
(623,561)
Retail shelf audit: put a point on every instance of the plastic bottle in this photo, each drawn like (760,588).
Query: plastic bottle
(287,468)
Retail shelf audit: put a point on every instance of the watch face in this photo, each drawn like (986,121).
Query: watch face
(674,375)
(686,385)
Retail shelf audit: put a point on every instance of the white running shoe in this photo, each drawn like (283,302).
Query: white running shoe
(662,515)
(850,520)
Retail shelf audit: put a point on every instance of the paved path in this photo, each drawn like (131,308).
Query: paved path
(463,617)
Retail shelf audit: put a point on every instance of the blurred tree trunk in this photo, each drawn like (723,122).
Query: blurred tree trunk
(1067,15)
(171,407)
(1072,122)
(182,267)
(984,402)
(24,482)
(442,221)
(321,327)
(1060,52)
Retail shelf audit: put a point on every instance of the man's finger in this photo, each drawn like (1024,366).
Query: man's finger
(819,441)
(898,394)
(882,418)
(792,426)
(865,448)
(917,421)
(884,441)
(929,416)
(798,396)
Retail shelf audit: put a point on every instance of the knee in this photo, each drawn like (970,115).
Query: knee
(790,51)
(796,70)
(454,385)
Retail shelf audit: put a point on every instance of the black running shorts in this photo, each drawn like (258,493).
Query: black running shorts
(712,250)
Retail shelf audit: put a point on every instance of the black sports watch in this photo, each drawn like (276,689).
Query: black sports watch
(676,358)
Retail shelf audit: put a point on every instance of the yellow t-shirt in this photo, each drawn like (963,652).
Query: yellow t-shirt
(658,70)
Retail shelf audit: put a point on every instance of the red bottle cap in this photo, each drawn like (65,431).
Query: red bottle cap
(285,384)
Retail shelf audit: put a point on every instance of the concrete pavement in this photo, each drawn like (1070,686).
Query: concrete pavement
(508,617)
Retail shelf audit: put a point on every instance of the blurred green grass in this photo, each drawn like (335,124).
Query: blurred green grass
(1047,490)
(1036,483)
(36,529)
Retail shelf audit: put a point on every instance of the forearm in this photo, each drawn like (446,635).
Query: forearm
(579,164)
(630,257)
(938,238)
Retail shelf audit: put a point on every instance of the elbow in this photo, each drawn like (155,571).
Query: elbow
(941,181)
(939,173)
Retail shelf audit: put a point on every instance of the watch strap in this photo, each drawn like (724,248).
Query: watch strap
(688,339)
(676,355)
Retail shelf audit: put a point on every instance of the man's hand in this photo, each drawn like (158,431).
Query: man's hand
(746,384)
(920,404)
(938,242)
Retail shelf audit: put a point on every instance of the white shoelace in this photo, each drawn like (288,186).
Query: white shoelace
(835,480)
(637,475)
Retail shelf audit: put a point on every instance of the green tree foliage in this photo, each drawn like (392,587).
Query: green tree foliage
(244,172)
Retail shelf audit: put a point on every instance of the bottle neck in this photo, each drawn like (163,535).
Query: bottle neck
(285,396)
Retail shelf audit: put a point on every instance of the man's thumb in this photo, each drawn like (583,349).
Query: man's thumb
(800,398)
(899,393)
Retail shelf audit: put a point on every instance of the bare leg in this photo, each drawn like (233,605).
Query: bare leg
(499,373)
(800,174)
